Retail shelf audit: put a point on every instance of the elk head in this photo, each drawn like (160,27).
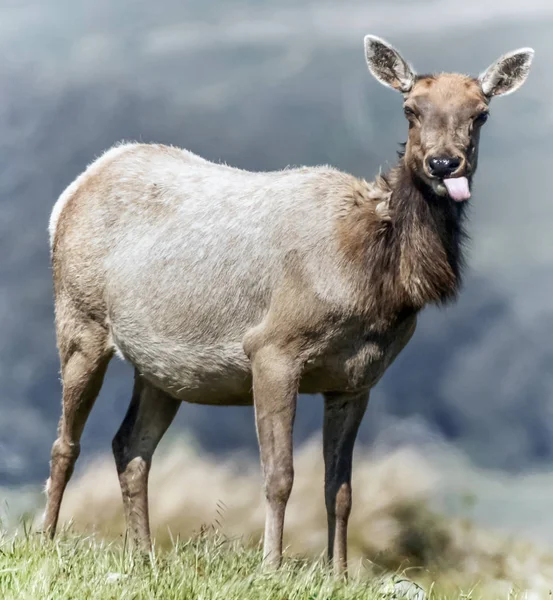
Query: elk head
(445,113)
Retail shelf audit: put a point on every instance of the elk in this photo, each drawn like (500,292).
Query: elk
(227,287)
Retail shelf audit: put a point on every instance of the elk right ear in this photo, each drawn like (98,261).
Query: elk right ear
(387,65)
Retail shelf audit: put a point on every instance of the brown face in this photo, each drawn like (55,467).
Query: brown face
(445,114)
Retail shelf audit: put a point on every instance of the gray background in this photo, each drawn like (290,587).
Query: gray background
(263,85)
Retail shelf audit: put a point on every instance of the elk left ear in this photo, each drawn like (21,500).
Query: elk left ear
(507,74)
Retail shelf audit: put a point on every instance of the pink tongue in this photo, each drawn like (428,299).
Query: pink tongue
(458,188)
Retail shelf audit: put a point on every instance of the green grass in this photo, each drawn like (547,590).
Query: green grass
(205,568)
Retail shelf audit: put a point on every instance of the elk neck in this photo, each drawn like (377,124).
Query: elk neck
(414,256)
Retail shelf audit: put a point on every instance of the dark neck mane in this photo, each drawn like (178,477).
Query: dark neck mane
(428,230)
(414,255)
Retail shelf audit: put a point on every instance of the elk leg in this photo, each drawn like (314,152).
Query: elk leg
(84,359)
(275,385)
(149,415)
(342,416)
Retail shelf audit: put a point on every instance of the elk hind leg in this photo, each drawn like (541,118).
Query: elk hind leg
(149,415)
(85,354)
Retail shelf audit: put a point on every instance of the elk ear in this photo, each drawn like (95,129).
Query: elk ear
(507,74)
(387,65)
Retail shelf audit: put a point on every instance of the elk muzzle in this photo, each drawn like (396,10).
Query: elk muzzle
(448,178)
(443,166)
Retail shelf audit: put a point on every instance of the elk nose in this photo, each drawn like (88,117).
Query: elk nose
(442,166)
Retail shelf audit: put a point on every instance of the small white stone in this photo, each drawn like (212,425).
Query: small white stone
(113,577)
(533,595)
(400,588)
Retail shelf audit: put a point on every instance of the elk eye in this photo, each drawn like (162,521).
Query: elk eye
(481,118)
(409,112)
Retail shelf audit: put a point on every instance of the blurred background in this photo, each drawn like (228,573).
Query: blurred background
(263,84)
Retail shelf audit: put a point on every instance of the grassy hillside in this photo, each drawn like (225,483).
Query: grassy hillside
(395,525)
(207,567)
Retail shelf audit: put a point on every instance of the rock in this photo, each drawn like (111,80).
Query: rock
(400,588)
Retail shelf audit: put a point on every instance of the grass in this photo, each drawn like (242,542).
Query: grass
(392,525)
(207,567)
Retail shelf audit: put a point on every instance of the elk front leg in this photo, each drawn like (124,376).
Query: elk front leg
(342,416)
(275,386)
